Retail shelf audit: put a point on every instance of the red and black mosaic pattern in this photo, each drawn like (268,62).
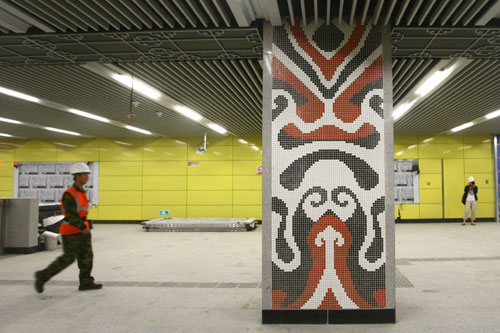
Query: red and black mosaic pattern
(328,192)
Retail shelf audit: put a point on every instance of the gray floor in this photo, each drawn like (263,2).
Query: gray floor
(448,281)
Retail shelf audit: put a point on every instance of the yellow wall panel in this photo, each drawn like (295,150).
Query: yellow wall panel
(174,198)
(77,143)
(441,151)
(165,168)
(6,183)
(120,183)
(250,140)
(165,153)
(209,211)
(248,212)
(120,212)
(212,141)
(122,142)
(214,153)
(431,196)
(210,183)
(209,198)
(429,165)
(405,151)
(453,175)
(479,165)
(247,153)
(430,180)
(247,198)
(247,183)
(120,198)
(77,154)
(408,212)
(436,139)
(482,180)
(93,213)
(35,155)
(120,168)
(405,139)
(112,154)
(152,212)
(245,168)
(6,194)
(478,150)
(211,168)
(6,169)
(165,142)
(36,144)
(6,155)
(431,211)
(478,138)
(485,210)
(486,195)
(164,183)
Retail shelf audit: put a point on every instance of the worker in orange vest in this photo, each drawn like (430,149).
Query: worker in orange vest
(75,231)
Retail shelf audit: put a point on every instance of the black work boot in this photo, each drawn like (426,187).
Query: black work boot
(92,286)
(38,282)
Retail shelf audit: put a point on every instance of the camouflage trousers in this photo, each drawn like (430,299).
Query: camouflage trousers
(79,247)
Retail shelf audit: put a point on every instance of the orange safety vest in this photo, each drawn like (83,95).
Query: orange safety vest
(82,207)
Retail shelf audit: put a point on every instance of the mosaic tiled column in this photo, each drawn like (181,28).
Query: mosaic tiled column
(328,216)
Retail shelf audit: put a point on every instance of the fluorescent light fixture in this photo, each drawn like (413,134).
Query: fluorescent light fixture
(433,81)
(218,128)
(88,115)
(191,114)
(132,128)
(6,135)
(402,109)
(243,141)
(61,131)
(462,127)
(493,114)
(5,120)
(17,94)
(139,86)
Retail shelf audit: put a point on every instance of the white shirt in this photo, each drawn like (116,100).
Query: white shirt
(470,196)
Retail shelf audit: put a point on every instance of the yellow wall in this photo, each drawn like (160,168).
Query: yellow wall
(139,177)
(459,156)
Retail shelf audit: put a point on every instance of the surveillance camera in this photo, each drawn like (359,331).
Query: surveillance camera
(131,116)
(135,104)
(159,114)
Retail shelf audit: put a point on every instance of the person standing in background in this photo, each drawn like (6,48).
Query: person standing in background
(469,199)
(75,231)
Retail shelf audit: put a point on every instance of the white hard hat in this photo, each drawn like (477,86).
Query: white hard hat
(471,179)
(79,168)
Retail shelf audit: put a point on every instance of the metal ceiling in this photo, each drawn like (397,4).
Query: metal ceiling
(472,93)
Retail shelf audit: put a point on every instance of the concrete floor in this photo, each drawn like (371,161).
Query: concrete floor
(209,282)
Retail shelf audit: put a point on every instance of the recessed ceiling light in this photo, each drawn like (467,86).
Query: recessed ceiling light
(462,127)
(493,114)
(5,120)
(88,115)
(6,135)
(433,81)
(61,131)
(191,114)
(132,128)
(402,109)
(139,86)
(218,128)
(19,95)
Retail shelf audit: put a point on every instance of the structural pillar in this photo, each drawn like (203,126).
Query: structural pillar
(328,188)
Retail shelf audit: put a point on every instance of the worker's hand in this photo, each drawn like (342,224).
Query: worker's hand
(86,231)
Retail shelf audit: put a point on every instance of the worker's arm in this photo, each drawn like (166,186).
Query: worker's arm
(71,214)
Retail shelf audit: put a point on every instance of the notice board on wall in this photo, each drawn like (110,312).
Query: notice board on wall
(47,181)
(406,183)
